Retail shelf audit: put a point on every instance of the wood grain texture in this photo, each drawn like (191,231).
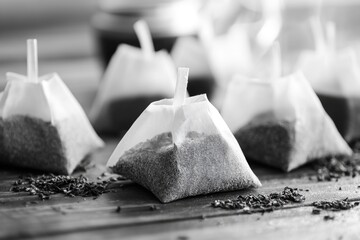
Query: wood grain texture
(26,216)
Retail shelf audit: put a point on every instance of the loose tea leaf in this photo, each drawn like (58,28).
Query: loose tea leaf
(46,185)
(316,211)
(336,167)
(261,202)
(327,217)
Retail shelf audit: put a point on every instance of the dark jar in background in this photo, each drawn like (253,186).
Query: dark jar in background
(168,20)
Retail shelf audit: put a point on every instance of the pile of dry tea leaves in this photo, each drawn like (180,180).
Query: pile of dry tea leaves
(336,205)
(46,185)
(333,168)
(261,203)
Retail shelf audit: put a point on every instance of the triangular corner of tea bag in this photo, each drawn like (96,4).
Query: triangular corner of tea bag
(332,143)
(69,117)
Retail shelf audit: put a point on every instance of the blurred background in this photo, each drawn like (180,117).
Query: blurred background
(76,38)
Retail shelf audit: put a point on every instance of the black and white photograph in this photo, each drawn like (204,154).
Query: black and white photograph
(180,119)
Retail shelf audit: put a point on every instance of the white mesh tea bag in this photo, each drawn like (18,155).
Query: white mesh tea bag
(42,125)
(182,147)
(133,79)
(280,121)
(335,77)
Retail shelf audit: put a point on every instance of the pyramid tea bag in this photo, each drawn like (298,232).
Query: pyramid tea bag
(42,125)
(280,121)
(133,79)
(181,147)
(335,77)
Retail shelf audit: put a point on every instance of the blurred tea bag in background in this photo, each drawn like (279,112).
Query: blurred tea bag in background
(182,147)
(280,121)
(235,41)
(133,79)
(335,76)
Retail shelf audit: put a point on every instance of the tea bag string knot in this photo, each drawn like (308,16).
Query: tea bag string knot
(143,33)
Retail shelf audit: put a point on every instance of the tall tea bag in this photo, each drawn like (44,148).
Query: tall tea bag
(133,79)
(279,120)
(42,125)
(335,76)
(182,147)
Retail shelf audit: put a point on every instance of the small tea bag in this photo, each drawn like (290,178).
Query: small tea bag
(133,79)
(181,147)
(42,125)
(280,121)
(335,76)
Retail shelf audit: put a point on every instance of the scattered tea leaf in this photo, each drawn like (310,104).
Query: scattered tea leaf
(316,211)
(46,185)
(118,209)
(327,217)
(333,168)
(261,202)
(336,205)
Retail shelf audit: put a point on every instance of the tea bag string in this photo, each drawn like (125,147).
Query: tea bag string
(316,28)
(32,60)
(276,61)
(181,86)
(143,33)
(331,36)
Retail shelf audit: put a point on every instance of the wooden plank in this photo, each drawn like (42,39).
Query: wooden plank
(61,215)
(289,224)
(192,208)
(251,225)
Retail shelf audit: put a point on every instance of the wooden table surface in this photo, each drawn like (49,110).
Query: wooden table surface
(25,216)
(69,49)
